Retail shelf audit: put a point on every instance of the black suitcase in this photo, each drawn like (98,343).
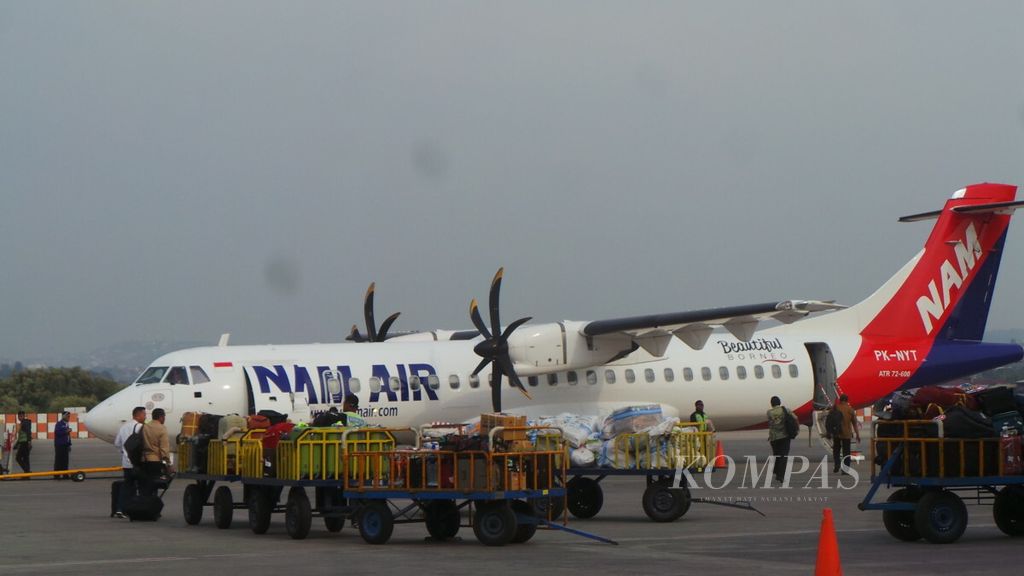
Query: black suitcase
(997,400)
(143,507)
(115,495)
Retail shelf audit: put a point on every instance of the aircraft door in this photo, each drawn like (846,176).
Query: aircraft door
(825,390)
(272,399)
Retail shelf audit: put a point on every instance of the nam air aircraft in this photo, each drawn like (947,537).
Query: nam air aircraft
(923,326)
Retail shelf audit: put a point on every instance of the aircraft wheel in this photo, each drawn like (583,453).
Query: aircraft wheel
(376,522)
(1008,510)
(664,504)
(260,508)
(298,515)
(524,530)
(495,524)
(192,504)
(900,523)
(223,508)
(941,517)
(443,519)
(585,497)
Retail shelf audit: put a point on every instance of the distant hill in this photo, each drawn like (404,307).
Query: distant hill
(1010,335)
(121,362)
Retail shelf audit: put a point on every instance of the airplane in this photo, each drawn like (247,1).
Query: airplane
(923,326)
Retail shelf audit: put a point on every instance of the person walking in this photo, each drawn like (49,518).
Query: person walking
(778,437)
(130,484)
(156,451)
(848,429)
(23,445)
(62,445)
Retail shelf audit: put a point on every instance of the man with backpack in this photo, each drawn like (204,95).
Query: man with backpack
(842,424)
(130,483)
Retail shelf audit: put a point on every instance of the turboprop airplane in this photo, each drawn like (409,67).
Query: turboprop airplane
(923,326)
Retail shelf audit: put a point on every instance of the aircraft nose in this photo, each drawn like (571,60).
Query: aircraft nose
(102,421)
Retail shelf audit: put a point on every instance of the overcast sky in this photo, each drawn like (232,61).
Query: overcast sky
(175,170)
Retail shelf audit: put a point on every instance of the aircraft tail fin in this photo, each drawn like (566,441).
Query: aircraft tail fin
(945,292)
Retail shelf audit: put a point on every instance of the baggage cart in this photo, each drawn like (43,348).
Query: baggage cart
(936,477)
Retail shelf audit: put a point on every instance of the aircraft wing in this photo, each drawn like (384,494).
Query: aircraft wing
(694,327)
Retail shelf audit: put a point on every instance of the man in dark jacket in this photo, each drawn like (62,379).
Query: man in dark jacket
(23,445)
(62,444)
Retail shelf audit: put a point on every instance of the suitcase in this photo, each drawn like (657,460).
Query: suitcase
(115,495)
(209,424)
(997,400)
(228,423)
(190,424)
(143,507)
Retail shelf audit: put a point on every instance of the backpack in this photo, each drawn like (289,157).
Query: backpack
(833,423)
(134,445)
(792,425)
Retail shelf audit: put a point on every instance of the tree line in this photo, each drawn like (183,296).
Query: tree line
(51,389)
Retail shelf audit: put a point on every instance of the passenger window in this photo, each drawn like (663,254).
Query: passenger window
(453,381)
(414,382)
(776,371)
(353,385)
(533,381)
(688,374)
(433,381)
(705,373)
(591,377)
(630,376)
(375,384)
(572,377)
(649,374)
(741,372)
(609,376)
(474,381)
(152,375)
(759,372)
(552,379)
(177,375)
(198,375)
(793,371)
(669,375)
(723,372)
(395,383)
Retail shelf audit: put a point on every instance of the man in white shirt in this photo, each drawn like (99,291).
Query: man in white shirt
(130,484)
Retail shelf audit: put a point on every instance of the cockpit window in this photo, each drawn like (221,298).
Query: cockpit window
(177,375)
(198,375)
(152,375)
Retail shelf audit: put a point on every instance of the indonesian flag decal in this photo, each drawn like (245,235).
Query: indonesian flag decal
(223,364)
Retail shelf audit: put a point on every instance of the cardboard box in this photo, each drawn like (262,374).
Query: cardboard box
(477,468)
(494,419)
(520,446)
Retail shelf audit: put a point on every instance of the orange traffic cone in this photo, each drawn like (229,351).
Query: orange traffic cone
(828,548)
(719,460)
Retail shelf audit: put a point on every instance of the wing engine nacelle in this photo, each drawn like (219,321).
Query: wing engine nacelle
(544,348)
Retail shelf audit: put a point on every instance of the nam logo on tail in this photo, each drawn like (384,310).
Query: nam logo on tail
(934,304)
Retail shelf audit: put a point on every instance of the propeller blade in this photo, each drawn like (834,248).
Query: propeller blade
(371,329)
(354,335)
(493,301)
(474,314)
(510,372)
(483,363)
(511,327)
(382,335)
(496,387)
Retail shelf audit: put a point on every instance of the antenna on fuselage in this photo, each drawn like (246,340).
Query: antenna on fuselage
(224,339)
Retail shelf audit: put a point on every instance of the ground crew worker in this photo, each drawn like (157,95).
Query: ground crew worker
(62,444)
(351,409)
(704,423)
(23,445)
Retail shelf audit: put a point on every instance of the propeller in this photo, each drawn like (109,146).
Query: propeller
(372,334)
(494,347)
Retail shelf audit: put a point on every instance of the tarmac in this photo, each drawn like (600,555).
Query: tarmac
(62,526)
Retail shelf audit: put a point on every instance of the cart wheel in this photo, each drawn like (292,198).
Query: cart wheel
(223,508)
(941,517)
(334,523)
(298,516)
(259,510)
(900,523)
(549,508)
(443,519)
(664,504)
(494,524)
(585,497)
(376,522)
(524,531)
(1008,510)
(78,477)
(192,504)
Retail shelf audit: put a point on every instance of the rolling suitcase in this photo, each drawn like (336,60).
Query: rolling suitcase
(143,507)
